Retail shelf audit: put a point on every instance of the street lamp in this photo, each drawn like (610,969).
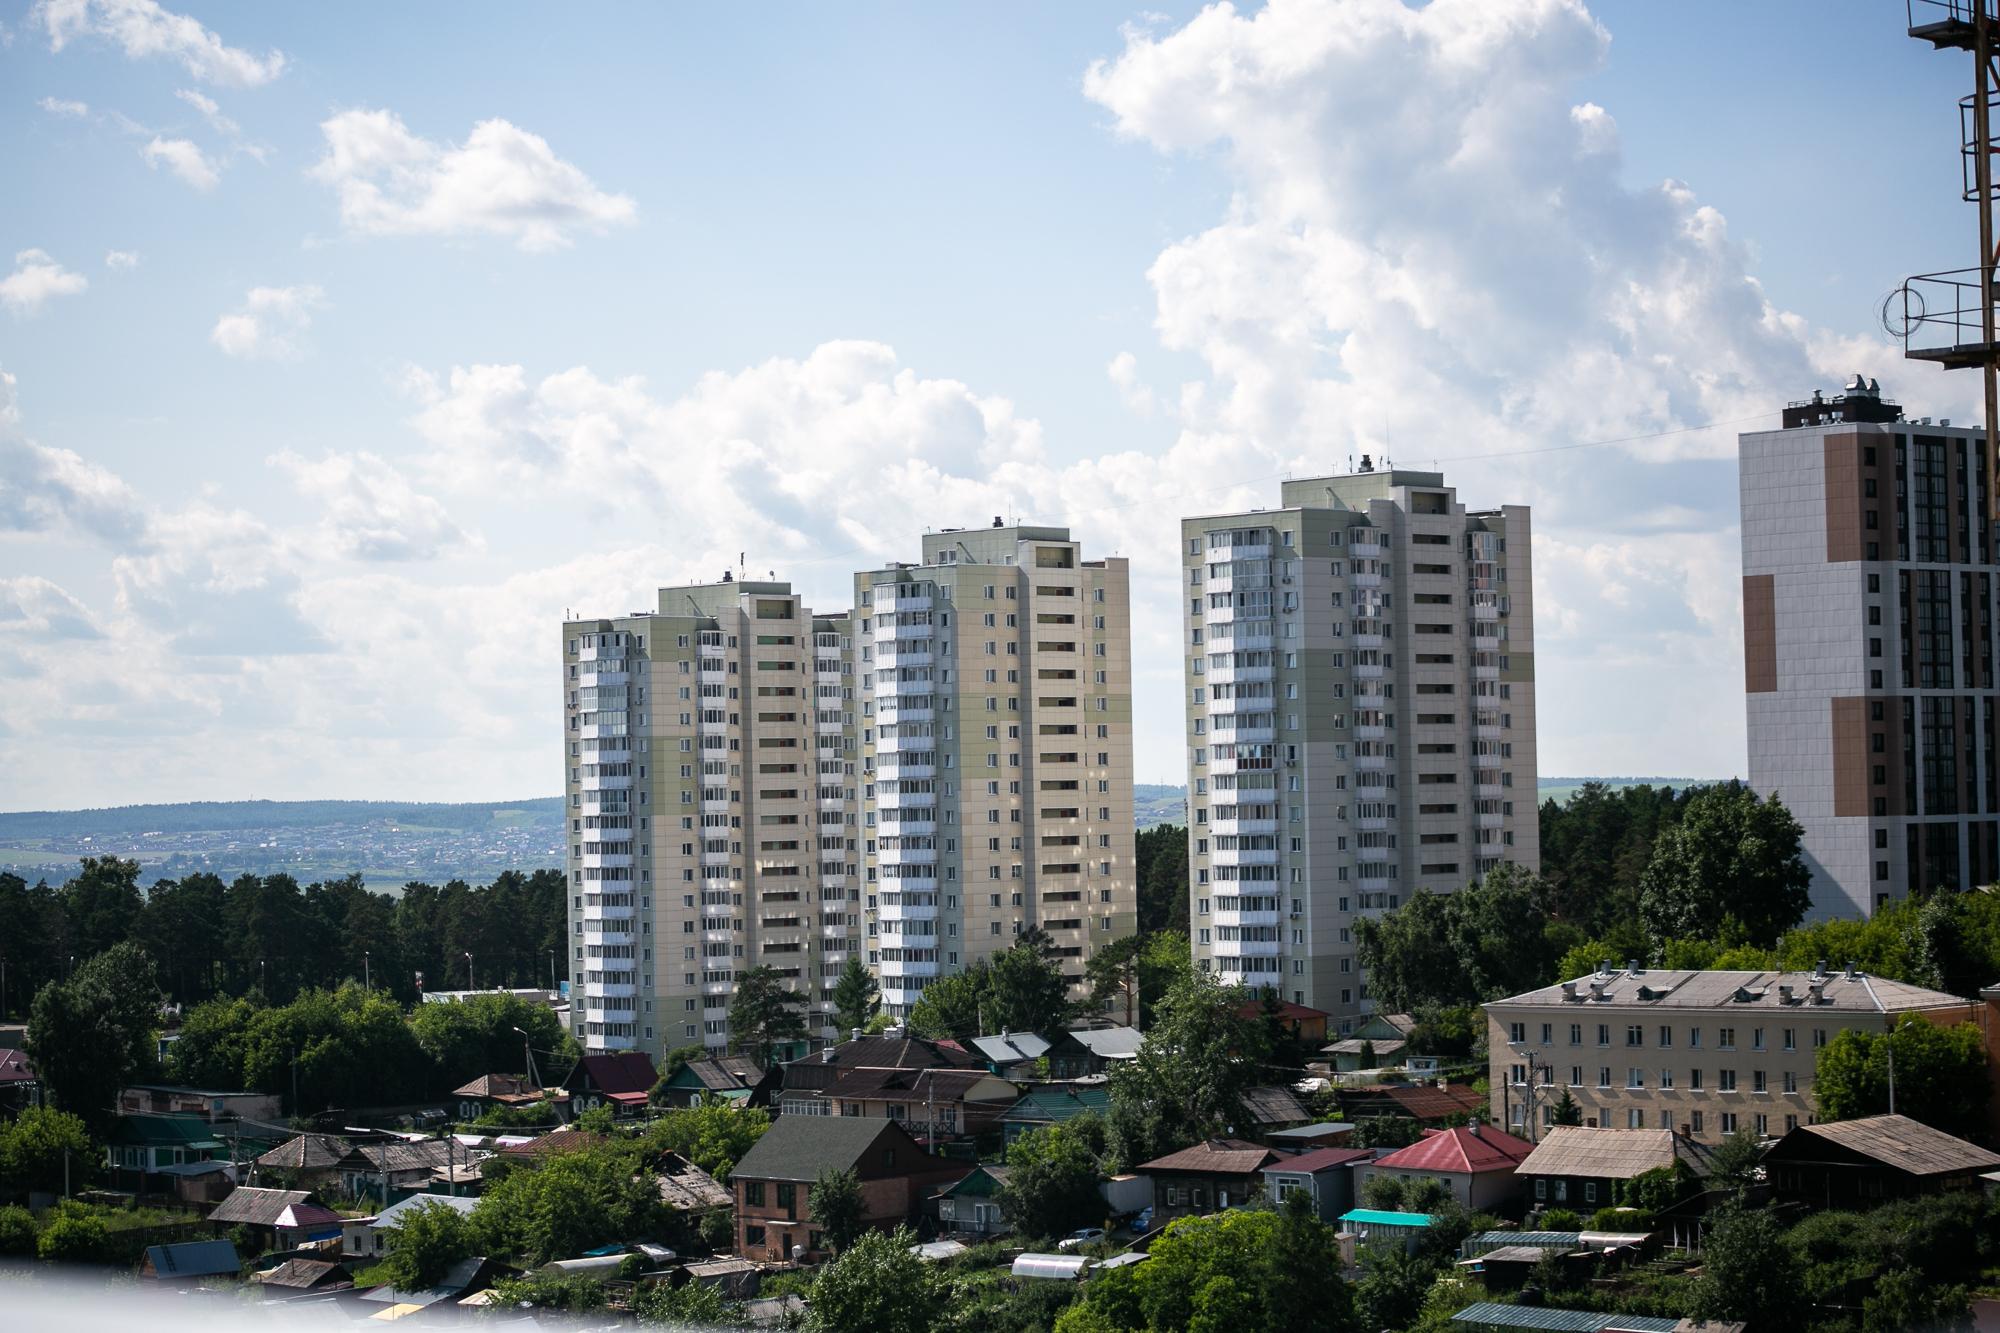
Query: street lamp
(1535,1064)
(367,978)
(468,971)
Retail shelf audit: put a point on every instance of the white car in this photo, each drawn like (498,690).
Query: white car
(1076,1240)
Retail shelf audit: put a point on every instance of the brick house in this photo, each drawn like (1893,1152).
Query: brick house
(773,1180)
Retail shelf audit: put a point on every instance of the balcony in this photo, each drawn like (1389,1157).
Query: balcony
(597,913)
(1370,823)
(887,603)
(1361,580)
(712,677)
(908,967)
(1370,763)
(900,769)
(1246,736)
(1487,731)
(1218,555)
(1244,856)
(1230,673)
(892,655)
(1247,948)
(1262,703)
(1368,671)
(1370,733)
(610,990)
(1481,671)
(1228,827)
(900,800)
(603,1041)
(910,827)
(908,856)
(603,860)
(1365,550)
(1492,820)
(1256,917)
(1365,640)
(1485,611)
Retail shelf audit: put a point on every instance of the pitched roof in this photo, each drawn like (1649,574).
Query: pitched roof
(305,1274)
(897,1084)
(1611,1154)
(1057,1102)
(685,1186)
(619,1075)
(1222,1157)
(1011,1047)
(193,1258)
(1463,1151)
(1905,1144)
(1285,1010)
(249,1205)
(1735,992)
(500,1086)
(1319,1159)
(799,1147)
(1109,1043)
(1273,1106)
(183,1131)
(393,1215)
(1426,1103)
(14,1066)
(1489,1314)
(306,1152)
(723,1073)
(904,1052)
(555,1141)
(1353,1045)
(302,1215)
(399,1155)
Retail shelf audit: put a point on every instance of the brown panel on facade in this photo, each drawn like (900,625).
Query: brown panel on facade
(1895,756)
(1850,758)
(1843,498)
(1760,634)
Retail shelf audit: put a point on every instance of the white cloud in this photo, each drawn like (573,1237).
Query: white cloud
(142,29)
(269,324)
(210,110)
(36,278)
(1124,374)
(372,512)
(121,259)
(34,606)
(58,106)
(185,159)
(503,181)
(44,489)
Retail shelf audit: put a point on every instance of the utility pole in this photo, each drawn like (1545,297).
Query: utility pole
(367,977)
(469,983)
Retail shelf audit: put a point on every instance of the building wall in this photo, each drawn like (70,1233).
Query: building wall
(1360,715)
(1840,563)
(1481,1190)
(996,742)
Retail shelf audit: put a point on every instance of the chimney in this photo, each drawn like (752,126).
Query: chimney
(1784,994)
(854,1034)
(1632,966)
(996,521)
(1604,967)
(826,1055)
(1851,974)
(1367,463)
(1819,970)
(1569,990)
(1472,1127)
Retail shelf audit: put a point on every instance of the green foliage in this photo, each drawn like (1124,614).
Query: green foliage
(1187,1081)
(1901,1300)
(342,1048)
(599,1120)
(91,1035)
(1749,1272)
(1419,1194)
(1130,974)
(712,1134)
(425,1242)
(878,1286)
(37,935)
(1711,955)
(1940,1075)
(74,1236)
(718,1229)
(692,1305)
(1463,948)
(1567,1112)
(1559,1219)
(1386,1131)
(834,1203)
(1594,847)
(1052,1182)
(1659,1189)
(478,1036)
(569,1203)
(17,1231)
(1733,1165)
(1161,860)
(41,1147)
(856,996)
(102,904)
(539,1115)
(1019,989)
(764,1013)
(1393,1285)
(1624,1219)
(1946,941)
(569,1292)
(1731,857)
(1451,1032)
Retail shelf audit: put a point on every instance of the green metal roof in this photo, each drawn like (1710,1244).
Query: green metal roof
(1377,1217)
(1493,1315)
(182,1131)
(1040,1105)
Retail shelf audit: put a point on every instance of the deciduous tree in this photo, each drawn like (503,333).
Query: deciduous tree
(1730,856)
(423,1245)
(878,1286)
(1052,1183)
(1940,1075)
(91,1035)
(835,1205)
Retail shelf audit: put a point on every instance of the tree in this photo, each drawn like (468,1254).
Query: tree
(856,997)
(1940,1075)
(74,1236)
(17,1232)
(1902,1300)
(878,1286)
(712,1134)
(570,1203)
(1052,1180)
(34,940)
(693,1305)
(764,1013)
(1027,993)
(1187,1080)
(953,1005)
(1594,847)
(102,903)
(43,1148)
(1161,863)
(676,1060)
(1749,1272)
(835,1205)
(1461,948)
(482,1035)
(425,1242)
(1113,974)
(89,1036)
(1734,1163)
(1731,856)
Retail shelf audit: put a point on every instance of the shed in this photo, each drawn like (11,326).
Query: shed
(1487,1314)
(933,1251)
(1374,1226)
(1059,1267)
(1300,1138)
(304,1275)
(193,1258)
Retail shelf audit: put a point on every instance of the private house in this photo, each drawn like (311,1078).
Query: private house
(1585,1169)
(621,1080)
(275,1219)
(1011,1054)
(931,1103)
(1324,1175)
(1052,1103)
(465,1276)
(386,1221)
(686,1188)
(189,1260)
(19,1086)
(735,1079)
(1302,1024)
(551,1143)
(139,1145)
(1373,1227)
(971,1207)
(209,1104)
(388,1169)
(303,1277)
(1860,1163)
(198,1183)
(1422,1102)
(1708,1052)
(1210,1176)
(1304,1138)
(772,1181)
(1378,1041)
(1088,1052)
(305,1161)
(1268,1110)
(1475,1162)
(511,1091)
(802,1081)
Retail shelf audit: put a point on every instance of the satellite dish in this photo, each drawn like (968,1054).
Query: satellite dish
(798,1254)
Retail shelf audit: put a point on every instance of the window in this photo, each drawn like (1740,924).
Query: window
(1757,1081)
(1635,1035)
(1694,1079)
(1604,1076)
(1635,1119)
(1791,1081)
(1576,1034)
(1729,1122)
(1726,1080)
(753,1193)
(752,1235)
(1789,1038)
(1603,1034)
(1726,1038)
(1694,1038)
(1517,1032)
(1590,1191)
(1666,1077)
(1666,1036)
(1635,1078)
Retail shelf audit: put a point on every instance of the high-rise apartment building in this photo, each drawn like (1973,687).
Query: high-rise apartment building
(995,691)
(1868,638)
(1360,719)
(710,810)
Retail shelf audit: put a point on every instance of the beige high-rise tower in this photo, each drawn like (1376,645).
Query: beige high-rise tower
(994,682)
(1360,719)
(709,805)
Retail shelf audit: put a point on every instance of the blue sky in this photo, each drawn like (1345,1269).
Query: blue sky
(435,321)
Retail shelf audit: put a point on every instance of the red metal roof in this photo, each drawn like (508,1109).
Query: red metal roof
(1286,1009)
(1461,1151)
(14,1067)
(619,1072)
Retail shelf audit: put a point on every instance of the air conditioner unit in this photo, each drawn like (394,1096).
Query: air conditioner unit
(1297,915)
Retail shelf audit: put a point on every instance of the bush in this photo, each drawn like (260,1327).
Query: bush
(1620,1219)
(1560,1219)
(17,1231)
(74,1237)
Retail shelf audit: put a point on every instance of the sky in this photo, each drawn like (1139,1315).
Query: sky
(343,350)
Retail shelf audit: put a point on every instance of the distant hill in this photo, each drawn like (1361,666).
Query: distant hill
(219,816)
(1154,803)
(1560,790)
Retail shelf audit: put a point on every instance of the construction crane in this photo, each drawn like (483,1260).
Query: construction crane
(1948,318)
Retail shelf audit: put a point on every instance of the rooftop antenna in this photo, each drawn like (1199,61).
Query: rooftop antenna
(1937,308)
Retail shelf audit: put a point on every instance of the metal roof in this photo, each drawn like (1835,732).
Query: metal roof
(1612,1154)
(194,1258)
(1586,1321)
(1735,993)
(392,1216)
(1902,1143)
(1378,1217)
